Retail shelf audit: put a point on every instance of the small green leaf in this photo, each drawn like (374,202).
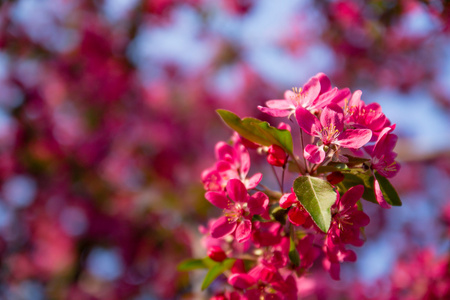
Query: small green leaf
(191,264)
(332,168)
(317,196)
(389,192)
(216,271)
(293,253)
(258,131)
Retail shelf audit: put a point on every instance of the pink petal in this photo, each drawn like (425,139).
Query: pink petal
(377,119)
(296,216)
(243,231)
(341,95)
(332,96)
(356,98)
(379,195)
(253,181)
(274,112)
(360,219)
(238,266)
(325,84)
(385,142)
(310,91)
(325,99)
(314,154)
(241,281)
(307,121)
(257,203)
(352,196)
(333,268)
(223,166)
(284,126)
(348,255)
(236,190)
(218,199)
(222,227)
(244,160)
(332,116)
(280,104)
(225,152)
(354,138)
(287,200)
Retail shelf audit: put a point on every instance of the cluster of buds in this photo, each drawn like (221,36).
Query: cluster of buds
(266,240)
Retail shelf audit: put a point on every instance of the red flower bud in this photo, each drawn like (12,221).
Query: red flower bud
(335,178)
(217,254)
(276,156)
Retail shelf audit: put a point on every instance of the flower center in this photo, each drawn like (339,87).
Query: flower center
(329,134)
(235,212)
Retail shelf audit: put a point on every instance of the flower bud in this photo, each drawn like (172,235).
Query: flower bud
(284,126)
(217,254)
(276,156)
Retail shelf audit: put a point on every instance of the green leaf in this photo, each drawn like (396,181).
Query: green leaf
(293,253)
(389,192)
(191,264)
(356,160)
(365,179)
(332,168)
(258,131)
(216,271)
(317,196)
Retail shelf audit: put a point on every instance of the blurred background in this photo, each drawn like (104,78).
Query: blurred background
(107,118)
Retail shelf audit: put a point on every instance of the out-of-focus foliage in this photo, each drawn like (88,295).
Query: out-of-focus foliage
(107,117)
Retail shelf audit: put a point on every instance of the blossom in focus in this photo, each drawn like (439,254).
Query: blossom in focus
(345,229)
(315,94)
(238,209)
(329,128)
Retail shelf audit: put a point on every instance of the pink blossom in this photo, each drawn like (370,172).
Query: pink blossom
(330,130)
(383,160)
(315,94)
(266,233)
(232,162)
(307,252)
(238,208)
(345,229)
(360,115)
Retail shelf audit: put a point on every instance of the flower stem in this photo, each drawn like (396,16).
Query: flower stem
(278,179)
(303,148)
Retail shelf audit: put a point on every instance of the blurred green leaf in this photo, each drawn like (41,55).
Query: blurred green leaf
(293,253)
(278,214)
(191,264)
(258,131)
(216,271)
(317,196)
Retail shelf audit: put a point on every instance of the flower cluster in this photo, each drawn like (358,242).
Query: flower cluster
(266,241)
